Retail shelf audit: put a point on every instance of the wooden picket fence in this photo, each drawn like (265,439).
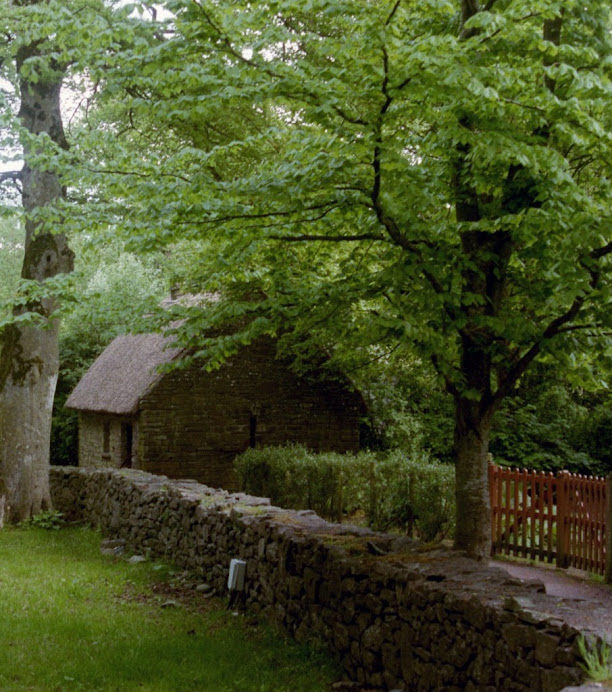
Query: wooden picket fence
(555,518)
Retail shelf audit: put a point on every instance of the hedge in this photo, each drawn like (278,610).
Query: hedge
(391,490)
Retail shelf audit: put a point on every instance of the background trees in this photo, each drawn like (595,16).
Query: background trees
(114,291)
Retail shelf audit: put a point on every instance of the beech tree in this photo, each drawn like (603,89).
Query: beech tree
(42,39)
(29,359)
(432,175)
(376,177)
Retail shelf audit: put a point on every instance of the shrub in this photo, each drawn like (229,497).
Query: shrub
(293,477)
(393,490)
(416,494)
(48,519)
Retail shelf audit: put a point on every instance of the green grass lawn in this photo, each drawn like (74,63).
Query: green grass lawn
(73,619)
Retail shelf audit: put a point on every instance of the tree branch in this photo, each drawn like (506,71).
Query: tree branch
(137,174)
(329,206)
(388,223)
(393,11)
(329,238)
(556,327)
(524,105)
(469,8)
(577,328)
(598,253)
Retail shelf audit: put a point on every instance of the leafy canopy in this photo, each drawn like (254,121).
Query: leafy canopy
(319,152)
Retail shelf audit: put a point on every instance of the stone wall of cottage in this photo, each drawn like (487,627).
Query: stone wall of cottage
(97,452)
(193,424)
(398,615)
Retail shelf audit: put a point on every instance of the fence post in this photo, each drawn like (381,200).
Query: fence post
(608,530)
(562,510)
(493,509)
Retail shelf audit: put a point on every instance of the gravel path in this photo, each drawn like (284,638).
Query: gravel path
(568,585)
(563,583)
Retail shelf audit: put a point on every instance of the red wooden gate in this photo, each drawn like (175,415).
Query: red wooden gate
(558,518)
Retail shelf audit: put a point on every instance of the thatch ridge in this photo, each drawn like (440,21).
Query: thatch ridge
(122,374)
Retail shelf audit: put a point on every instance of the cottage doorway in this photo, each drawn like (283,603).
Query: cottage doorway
(127,443)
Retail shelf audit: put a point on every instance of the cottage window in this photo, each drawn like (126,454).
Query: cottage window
(252,432)
(106,430)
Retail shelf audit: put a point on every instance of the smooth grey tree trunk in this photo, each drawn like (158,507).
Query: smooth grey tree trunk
(29,359)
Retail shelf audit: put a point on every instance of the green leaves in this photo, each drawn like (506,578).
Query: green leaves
(318,155)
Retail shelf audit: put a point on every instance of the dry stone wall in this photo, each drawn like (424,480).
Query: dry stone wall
(398,615)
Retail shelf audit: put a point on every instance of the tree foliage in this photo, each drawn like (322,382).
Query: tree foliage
(359,116)
(11,257)
(113,292)
(429,178)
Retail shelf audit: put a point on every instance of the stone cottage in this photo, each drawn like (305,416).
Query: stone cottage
(189,423)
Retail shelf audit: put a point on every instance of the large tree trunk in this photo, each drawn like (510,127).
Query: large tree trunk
(487,256)
(473,531)
(25,414)
(29,360)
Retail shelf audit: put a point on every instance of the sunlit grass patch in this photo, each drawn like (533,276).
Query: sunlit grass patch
(72,619)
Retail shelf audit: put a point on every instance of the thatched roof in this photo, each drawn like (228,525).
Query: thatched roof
(122,374)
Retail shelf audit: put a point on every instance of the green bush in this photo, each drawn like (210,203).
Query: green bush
(293,477)
(414,494)
(49,519)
